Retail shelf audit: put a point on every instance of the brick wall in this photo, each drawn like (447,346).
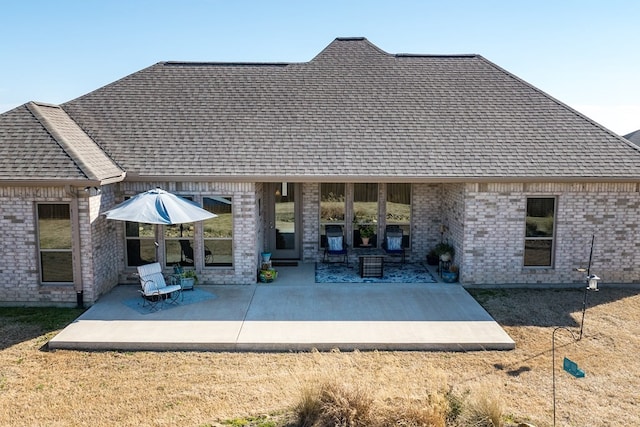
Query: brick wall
(102,245)
(484,222)
(19,251)
(311,222)
(493,237)
(427,211)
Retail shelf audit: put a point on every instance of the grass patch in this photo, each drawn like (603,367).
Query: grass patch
(46,318)
(390,388)
(331,403)
(261,421)
(484,295)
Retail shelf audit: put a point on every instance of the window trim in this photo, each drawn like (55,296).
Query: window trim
(405,226)
(200,232)
(551,238)
(349,226)
(40,250)
(321,224)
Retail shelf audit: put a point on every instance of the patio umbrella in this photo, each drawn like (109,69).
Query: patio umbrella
(158,207)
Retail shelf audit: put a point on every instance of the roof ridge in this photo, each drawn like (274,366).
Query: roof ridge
(225,64)
(331,45)
(436,55)
(558,102)
(61,139)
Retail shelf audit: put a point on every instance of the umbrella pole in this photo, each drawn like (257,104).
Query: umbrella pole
(157,235)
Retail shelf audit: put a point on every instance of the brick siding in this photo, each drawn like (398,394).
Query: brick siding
(484,222)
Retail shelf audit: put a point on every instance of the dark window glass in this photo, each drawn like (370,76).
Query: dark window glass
(540,221)
(332,207)
(218,232)
(54,241)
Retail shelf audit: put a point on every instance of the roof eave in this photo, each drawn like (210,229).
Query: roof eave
(40,182)
(376,178)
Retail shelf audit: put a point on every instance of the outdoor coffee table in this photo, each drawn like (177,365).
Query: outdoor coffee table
(371,265)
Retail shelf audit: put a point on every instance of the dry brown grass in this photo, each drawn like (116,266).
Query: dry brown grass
(69,388)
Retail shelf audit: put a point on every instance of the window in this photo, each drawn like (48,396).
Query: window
(398,209)
(178,244)
(218,232)
(285,215)
(141,243)
(365,212)
(540,221)
(54,243)
(332,207)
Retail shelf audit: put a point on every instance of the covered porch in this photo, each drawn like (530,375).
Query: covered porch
(293,314)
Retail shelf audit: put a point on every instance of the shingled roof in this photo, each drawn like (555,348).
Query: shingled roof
(40,143)
(352,113)
(634,137)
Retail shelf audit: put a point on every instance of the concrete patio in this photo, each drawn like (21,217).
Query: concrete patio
(293,314)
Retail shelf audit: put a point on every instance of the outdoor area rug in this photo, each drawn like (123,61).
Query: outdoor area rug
(393,273)
(190,297)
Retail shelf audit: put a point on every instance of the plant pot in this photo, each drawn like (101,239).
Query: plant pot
(449,276)
(187,282)
(267,276)
(432,259)
(365,241)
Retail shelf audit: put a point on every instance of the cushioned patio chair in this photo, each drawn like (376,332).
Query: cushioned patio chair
(393,243)
(155,291)
(336,245)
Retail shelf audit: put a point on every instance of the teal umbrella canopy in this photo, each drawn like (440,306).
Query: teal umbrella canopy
(158,207)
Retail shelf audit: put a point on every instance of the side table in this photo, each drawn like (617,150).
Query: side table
(371,266)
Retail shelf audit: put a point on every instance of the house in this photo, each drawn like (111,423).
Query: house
(634,137)
(447,147)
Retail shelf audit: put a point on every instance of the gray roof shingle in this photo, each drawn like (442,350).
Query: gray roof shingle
(41,143)
(353,112)
(634,137)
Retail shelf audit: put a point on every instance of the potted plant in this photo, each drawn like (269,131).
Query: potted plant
(433,257)
(366,232)
(450,275)
(188,279)
(267,275)
(442,251)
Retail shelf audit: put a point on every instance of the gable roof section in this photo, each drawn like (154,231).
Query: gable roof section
(634,137)
(352,113)
(40,143)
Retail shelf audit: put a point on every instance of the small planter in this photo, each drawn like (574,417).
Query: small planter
(449,276)
(267,276)
(432,259)
(187,282)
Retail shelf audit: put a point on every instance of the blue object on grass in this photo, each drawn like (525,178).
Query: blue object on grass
(572,367)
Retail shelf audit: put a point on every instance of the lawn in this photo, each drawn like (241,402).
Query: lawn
(71,388)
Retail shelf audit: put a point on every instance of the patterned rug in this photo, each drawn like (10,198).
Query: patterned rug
(393,273)
(189,297)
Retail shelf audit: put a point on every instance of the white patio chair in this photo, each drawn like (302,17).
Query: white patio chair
(155,291)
